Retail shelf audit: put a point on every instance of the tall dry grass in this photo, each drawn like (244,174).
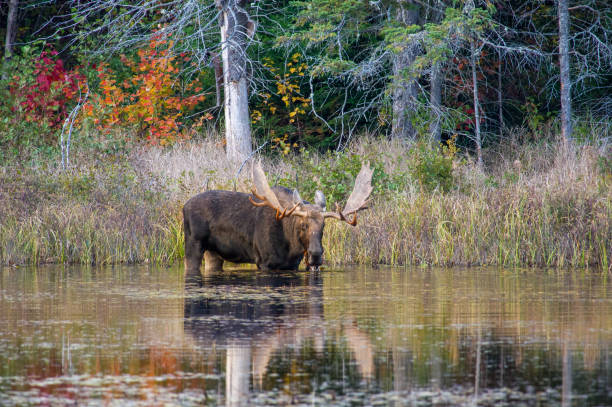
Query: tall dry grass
(533,206)
(554,210)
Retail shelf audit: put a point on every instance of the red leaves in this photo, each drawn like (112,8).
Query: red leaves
(52,87)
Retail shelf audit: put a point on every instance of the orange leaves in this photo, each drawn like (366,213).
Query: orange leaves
(149,100)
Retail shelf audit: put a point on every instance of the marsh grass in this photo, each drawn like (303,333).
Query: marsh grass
(534,206)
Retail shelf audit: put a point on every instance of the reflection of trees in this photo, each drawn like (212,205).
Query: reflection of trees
(433,319)
(398,329)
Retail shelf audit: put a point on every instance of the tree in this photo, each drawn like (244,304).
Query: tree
(236,29)
(11,29)
(435,83)
(108,26)
(404,85)
(564,67)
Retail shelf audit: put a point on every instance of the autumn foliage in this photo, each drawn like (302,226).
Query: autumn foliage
(150,100)
(45,95)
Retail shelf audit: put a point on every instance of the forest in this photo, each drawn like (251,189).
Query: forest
(488,125)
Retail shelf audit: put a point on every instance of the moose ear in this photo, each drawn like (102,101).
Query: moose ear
(297,199)
(320,200)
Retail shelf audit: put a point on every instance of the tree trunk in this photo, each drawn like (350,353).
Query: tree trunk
(499,97)
(404,88)
(435,83)
(435,101)
(477,137)
(11,25)
(564,67)
(237,369)
(218,68)
(11,29)
(236,29)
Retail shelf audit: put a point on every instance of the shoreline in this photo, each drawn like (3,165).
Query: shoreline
(128,211)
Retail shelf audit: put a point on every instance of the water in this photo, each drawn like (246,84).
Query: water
(138,336)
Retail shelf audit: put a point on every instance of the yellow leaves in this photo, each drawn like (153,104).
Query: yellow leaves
(287,101)
(256,116)
(282,144)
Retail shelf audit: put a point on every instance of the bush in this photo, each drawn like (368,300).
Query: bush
(334,174)
(432,166)
(36,96)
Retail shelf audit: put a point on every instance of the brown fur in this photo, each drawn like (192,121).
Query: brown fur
(224,225)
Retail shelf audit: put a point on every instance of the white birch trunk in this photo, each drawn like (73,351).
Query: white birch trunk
(237,370)
(477,137)
(564,67)
(236,28)
(237,120)
(435,101)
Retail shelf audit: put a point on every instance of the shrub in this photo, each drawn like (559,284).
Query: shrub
(149,101)
(47,90)
(36,97)
(334,174)
(432,166)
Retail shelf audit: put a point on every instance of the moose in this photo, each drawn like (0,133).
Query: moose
(272,227)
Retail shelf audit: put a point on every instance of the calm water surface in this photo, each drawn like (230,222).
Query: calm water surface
(139,336)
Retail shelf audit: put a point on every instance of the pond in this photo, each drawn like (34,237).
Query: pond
(356,336)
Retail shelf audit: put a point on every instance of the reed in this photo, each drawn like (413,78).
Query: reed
(539,206)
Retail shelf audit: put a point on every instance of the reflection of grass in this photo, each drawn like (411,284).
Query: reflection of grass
(129,324)
(555,211)
(437,312)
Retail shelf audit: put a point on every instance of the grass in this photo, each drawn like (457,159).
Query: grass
(533,206)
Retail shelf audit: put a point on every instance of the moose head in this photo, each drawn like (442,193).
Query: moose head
(304,221)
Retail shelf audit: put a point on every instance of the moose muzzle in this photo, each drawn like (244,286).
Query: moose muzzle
(314,256)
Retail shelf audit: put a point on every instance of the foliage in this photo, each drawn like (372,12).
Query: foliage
(149,101)
(432,166)
(334,174)
(36,95)
(281,114)
(46,97)
(534,118)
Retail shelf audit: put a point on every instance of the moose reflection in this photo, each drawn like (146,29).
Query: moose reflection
(272,228)
(253,331)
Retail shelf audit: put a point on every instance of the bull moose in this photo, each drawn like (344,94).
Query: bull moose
(272,227)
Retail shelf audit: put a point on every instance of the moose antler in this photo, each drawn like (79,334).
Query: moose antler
(358,200)
(264,193)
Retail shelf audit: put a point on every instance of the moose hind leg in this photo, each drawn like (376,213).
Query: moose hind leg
(212,261)
(194,251)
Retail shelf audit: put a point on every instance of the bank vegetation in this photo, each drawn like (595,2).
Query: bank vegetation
(536,205)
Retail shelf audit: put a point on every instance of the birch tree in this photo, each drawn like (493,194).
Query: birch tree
(236,30)
(115,25)
(11,28)
(564,68)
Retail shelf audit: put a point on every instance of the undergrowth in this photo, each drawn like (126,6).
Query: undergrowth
(537,206)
